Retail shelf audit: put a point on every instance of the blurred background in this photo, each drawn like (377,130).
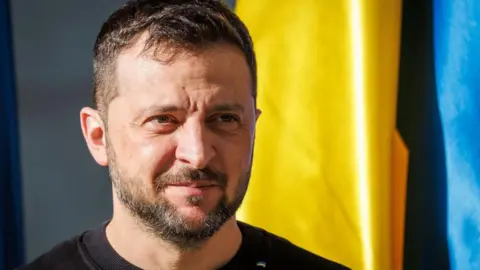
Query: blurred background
(375,162)
(64,191)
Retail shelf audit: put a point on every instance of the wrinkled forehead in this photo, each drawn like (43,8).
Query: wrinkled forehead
(215,73)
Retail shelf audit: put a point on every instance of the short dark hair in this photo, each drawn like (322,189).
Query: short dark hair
(181,25)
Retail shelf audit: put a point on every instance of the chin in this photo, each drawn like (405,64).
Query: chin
(193,212)
(193,219)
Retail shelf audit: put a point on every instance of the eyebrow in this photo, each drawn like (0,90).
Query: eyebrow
(168,108)
(214,108)
(227,107)
(162,109)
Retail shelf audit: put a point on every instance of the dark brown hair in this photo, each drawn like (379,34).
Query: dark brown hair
(180,25)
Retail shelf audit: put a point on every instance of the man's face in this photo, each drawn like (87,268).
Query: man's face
(180,139)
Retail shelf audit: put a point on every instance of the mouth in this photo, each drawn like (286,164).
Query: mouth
(196,188)
(196,184)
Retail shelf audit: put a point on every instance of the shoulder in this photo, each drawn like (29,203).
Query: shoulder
(282,254)
(65,255)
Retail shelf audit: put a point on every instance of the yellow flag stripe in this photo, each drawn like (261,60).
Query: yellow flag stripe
(399,199)
(358,87)
(322,173)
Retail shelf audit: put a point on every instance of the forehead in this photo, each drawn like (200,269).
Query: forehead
(216,73)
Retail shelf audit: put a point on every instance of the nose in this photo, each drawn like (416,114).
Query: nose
(194,147)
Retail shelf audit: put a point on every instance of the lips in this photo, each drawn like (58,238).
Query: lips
(196,184)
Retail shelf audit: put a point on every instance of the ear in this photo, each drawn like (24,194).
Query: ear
(93,130)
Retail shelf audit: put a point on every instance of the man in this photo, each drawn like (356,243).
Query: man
(175,98)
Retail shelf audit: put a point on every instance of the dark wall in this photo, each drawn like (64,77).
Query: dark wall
(64,191)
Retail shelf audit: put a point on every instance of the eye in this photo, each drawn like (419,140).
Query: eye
(162,119)
(227,118)
(224,122)
(161,123)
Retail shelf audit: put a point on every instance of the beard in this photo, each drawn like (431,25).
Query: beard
(162,219)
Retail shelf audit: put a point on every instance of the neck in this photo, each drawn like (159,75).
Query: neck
(131,241)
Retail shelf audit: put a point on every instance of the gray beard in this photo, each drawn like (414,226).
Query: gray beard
(161,219)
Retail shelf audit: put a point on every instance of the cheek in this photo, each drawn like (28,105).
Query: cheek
(144,157)
(156,155)
(236,158)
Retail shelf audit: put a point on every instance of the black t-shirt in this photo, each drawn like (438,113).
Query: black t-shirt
(259,250)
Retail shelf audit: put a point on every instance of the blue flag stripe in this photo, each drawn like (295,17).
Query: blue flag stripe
(11,238)
(457,59)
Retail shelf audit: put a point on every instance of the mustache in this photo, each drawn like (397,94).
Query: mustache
(191,175)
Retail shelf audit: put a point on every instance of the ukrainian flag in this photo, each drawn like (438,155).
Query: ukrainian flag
(359,96)
(326,144)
